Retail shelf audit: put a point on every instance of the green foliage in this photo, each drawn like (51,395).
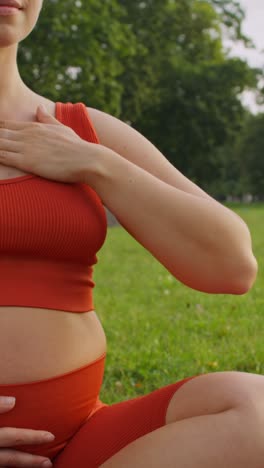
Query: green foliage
(250,155)
(200,113)
(89,35)
(232,16)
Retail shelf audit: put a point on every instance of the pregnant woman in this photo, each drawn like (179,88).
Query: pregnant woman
(58,168)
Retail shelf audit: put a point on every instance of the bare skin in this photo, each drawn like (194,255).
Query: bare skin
(214,421)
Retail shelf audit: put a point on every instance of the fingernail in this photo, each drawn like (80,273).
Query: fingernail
(49,436)
(47,463)
(7,401)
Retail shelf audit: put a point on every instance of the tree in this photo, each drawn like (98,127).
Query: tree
(250,155)
(90,36)
(197,109)
(232,16)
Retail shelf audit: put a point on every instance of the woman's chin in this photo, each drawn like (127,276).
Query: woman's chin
(7,40)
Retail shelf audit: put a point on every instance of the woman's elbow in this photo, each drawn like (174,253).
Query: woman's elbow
(246,276)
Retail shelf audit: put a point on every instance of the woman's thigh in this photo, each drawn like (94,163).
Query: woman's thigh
(216,392)
(116,426)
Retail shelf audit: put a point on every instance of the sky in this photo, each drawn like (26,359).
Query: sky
(252,27)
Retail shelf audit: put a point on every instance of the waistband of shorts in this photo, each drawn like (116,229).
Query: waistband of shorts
(97,362)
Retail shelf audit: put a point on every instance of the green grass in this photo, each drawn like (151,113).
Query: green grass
(159,331)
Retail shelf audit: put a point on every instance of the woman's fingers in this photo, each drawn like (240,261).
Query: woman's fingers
(10,436)
(6,404)
(15,458)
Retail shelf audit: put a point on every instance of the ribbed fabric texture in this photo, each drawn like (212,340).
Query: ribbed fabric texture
(50,234)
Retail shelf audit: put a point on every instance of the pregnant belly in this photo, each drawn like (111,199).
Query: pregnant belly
(39,344)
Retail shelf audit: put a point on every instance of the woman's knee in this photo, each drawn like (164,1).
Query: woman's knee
(215,393)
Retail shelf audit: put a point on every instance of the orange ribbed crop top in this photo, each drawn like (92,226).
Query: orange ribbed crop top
(50,234)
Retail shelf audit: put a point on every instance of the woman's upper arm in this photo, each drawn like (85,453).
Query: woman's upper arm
(133,146)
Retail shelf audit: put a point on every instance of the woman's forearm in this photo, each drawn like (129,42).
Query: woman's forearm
(202,243)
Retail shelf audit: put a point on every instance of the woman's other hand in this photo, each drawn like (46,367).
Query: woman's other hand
(10,437)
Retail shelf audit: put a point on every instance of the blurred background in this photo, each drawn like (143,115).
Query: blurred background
(188,74)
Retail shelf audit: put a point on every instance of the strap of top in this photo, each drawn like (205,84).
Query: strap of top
(76,116)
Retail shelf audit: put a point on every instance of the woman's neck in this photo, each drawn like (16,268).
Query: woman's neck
(12,87)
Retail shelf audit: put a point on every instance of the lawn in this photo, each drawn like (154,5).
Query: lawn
(159,331)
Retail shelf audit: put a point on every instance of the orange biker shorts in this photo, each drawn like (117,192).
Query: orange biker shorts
(87,431)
